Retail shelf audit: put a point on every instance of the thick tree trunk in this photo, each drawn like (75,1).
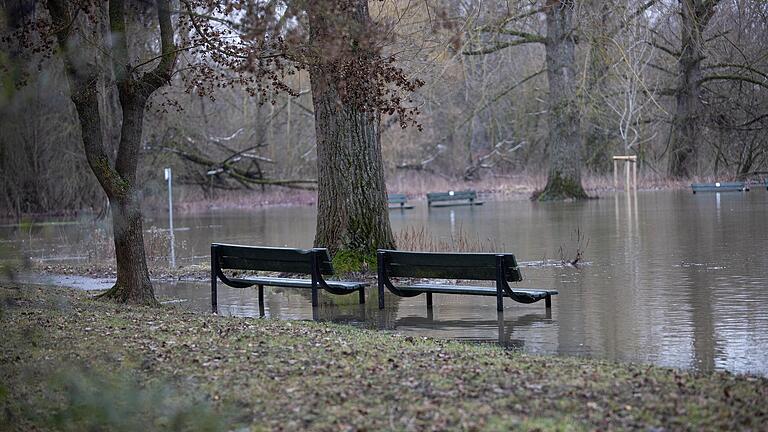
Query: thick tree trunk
(564,177)
(133,284)
(352,213)
(599,144)
(684,136)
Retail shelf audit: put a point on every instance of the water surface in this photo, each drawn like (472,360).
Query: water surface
(670,278)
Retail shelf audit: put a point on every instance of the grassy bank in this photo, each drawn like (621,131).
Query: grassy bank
(68,362)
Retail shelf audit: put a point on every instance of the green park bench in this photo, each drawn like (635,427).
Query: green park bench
(501,268)
(720,187)
(398,201)
(452,198)
(313,262)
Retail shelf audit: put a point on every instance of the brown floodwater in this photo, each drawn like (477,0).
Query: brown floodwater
(668,278)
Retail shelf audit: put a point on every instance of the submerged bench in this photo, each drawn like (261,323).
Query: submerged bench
(720,187)
(501,268)
(313,262)
(398,201)
(452,198)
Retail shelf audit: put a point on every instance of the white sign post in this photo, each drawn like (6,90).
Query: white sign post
(168,176)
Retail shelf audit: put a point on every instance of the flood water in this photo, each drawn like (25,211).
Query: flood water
(669,278)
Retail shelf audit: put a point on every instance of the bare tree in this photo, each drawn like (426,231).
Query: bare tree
(684,136)
(71,24)
(565,143)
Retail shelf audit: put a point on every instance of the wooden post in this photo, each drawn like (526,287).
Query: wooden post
(626,172)
(631,179)
(634,174)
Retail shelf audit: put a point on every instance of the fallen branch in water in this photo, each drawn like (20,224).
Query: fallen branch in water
(239,169)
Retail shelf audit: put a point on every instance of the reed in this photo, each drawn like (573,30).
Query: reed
(422,240)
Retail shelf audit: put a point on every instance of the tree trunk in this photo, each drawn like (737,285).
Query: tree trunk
(352,213)
(684,136)
(118,181)
(598,141)
(133,284)
(564,177)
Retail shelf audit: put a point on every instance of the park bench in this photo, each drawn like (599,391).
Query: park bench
(313,262)
(452,198)
(501,268)
(720,187)
(398,201)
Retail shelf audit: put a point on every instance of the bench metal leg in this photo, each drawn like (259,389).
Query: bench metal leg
(502,335)
(380,271)
(429,300)
(214,290)
(361,294)
(500,283)
(314,296)
(381,295)
(548,302)
(261,300)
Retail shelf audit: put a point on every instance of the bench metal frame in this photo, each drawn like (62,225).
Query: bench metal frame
(501,268)
(720,187)
(400,202)
(452,198)
(314,262)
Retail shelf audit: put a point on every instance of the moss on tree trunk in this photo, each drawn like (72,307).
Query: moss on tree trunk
(561,188)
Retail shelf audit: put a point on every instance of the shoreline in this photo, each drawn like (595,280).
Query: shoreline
(517,187)
(70,358)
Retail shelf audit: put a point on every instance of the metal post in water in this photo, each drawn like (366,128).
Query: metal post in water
(168,176)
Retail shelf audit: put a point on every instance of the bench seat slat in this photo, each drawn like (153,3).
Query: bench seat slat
(298,283)
(456,204)
(472,290)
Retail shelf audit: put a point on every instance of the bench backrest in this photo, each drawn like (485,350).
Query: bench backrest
(277,259)
(719,185)
(397,199)
(445,265)
(452,196)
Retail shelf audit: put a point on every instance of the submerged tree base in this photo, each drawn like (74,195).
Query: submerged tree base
(560,188)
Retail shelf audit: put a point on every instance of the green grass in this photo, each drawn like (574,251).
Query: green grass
(70,362)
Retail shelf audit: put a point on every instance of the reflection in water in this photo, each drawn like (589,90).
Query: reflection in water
(672,278)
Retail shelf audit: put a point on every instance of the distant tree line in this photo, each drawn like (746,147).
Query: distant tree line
(681,83)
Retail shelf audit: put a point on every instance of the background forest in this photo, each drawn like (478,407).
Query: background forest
(682,84)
